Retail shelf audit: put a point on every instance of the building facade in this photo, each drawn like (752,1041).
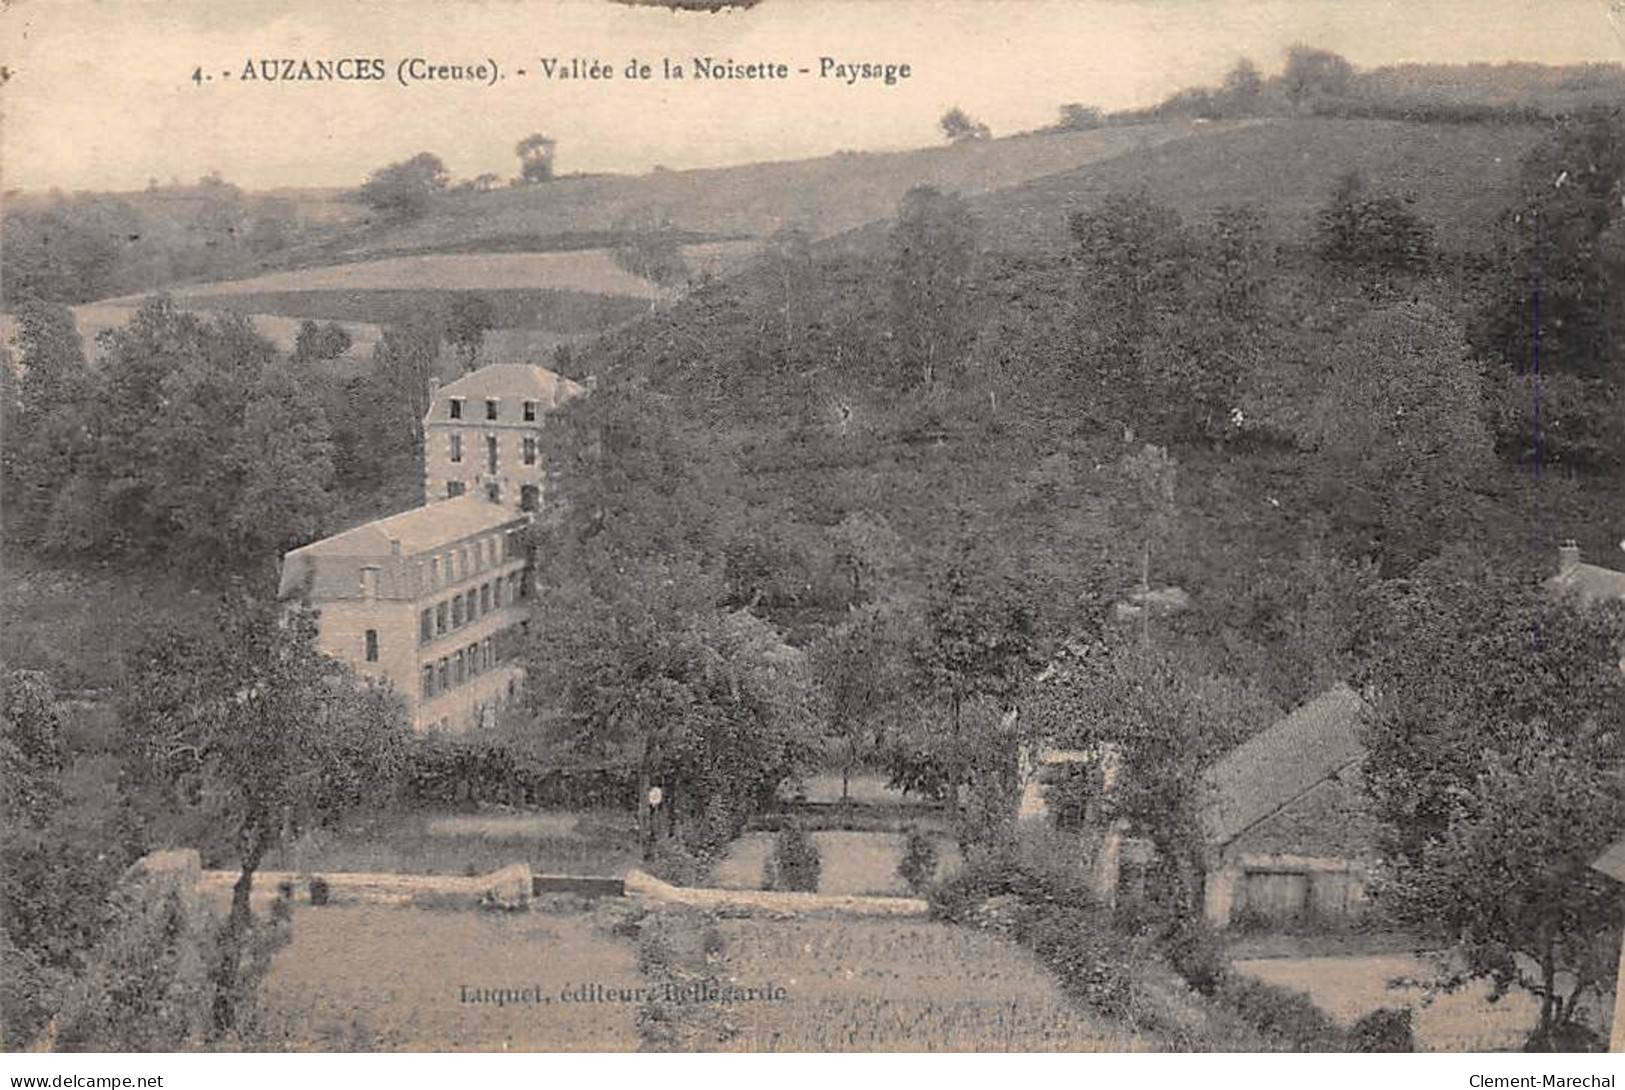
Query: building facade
(482,434)
(433,601)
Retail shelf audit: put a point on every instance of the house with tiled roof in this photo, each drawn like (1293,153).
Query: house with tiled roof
(1287,829)
(482,434)
(1590,583)
(431,600)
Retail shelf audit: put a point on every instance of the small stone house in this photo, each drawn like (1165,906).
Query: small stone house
(1288,830)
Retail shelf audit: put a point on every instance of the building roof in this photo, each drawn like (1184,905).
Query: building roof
(511,381)
(1612,861)
(1280,764)
(1591,583)
(390,542)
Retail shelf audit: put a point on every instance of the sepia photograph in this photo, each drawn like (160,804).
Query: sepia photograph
(833,526)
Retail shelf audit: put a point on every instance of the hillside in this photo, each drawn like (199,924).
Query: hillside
(824,196)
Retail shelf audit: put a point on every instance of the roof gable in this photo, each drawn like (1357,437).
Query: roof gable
(1281,763)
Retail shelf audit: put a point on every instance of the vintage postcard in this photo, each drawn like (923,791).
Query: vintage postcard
(1086,526)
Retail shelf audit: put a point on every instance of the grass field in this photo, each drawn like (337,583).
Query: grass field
(826,195)
(881,985)
(362,977)
(1462,176)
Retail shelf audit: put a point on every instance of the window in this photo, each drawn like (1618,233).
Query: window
(434,564)
(490,408)
(530,412)
(456,447)
(454,489)
(445,675)
(493,492)
(490,653)
(473,654)
(442,616)
(529,497)
(530,450)
(370,639)
(457,669)
(485,598)
(455,405)
(491,453)
(457,612)
(426,626)
(428,682)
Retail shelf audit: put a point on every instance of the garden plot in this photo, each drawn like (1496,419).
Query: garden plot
(882,985)
(376,978)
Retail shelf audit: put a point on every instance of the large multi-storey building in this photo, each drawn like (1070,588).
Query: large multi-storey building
(433,600)
(483,432)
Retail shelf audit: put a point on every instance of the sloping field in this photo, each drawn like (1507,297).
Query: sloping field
(825,196)
(587,270)
(857,985)
(1462,177)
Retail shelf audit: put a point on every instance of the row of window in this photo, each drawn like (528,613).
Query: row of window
(471,661)
(530,495)
(493,451)
(464,561)
(454,407)
(470,606)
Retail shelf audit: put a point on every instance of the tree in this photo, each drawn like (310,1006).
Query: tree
(933,246)
(978,644)
(469,318)
(1315,75)
(48,436)
(535,154)
(318,343)
(285,449)
(255,733)
(865,549)
(959,127)
(1495,744)
(405,361)
(1371,233)
(405,190)
(1076,117)
(860,668)
(1243,87)
(1557,307)
(632,662)
(1133,259)
(1402,433)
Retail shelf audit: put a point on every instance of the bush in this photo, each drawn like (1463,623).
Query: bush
(918,867)
(671,862)
(1386,1029)
(1094,963)
(794,864)
(1284,1017)
(320,892)
(1197,954)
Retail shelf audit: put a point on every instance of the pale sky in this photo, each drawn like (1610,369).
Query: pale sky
(100,95)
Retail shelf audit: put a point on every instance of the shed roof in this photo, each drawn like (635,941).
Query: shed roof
(1281,763)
